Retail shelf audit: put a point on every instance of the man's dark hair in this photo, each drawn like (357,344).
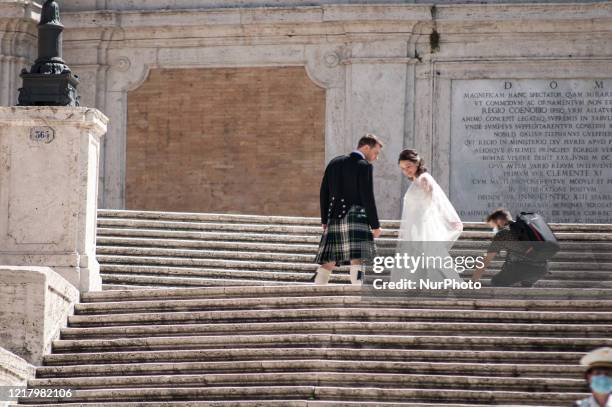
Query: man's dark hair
(499,213)
(369,140)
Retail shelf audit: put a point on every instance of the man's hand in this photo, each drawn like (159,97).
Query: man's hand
(376,233)
(486,262)
(477,274)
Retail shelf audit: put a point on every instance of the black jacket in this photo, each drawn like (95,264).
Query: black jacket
(348,181)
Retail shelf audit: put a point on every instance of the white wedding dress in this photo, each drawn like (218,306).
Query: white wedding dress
(429,227)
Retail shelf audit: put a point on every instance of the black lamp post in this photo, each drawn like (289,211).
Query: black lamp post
(50,81)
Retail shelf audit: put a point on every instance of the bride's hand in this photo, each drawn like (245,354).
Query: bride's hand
(456,226)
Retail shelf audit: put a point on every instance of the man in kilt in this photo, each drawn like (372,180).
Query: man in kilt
(348,212)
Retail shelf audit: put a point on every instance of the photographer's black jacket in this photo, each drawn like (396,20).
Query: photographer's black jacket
(348,181)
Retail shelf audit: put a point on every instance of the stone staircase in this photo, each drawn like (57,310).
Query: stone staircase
(213,310)
(160,249)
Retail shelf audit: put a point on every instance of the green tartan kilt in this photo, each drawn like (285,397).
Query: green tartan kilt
(348,238)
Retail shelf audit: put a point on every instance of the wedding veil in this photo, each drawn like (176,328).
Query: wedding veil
(427,214)
(429,227)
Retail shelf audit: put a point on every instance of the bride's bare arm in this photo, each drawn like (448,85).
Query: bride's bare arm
(425,183)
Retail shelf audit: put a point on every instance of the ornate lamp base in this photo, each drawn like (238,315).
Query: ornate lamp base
(49,89)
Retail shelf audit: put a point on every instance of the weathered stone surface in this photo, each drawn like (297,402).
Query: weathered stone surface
(532,144)
(14,372)
(380,70)
(48,192)
(85,5)
(311,360)
(35,304)
(381,67)
(245,343)
(140,249)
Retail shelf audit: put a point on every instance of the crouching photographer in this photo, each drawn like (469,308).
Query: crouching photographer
(528,243)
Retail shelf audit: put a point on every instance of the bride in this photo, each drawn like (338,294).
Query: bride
(429,225)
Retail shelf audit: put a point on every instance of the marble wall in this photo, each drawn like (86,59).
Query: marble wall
(386,68)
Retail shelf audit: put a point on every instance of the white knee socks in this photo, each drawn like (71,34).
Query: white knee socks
(322,277)
(354,270)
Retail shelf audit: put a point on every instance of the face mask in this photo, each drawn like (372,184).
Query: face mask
(495,229)
(601,384)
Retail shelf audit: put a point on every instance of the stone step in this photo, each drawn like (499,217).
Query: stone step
(310,378)
(283,264)
(103,232)
(121,281)
(312,365)
(218,263)
(276,353)
(104,242)
(291,229)
(218,217)
(201,217)
(140,280)
(115,287)
(163,281)
(561,272)
(340,275)
(543,283)
(146,279)
(220,273)
(256,291)
(308,245)
(343,327)
(341,313)
(205,254)
(301,302)
(318,392)
(469,304)
(470,237)
(303,275)
(337,340)
(575,275)
(575,232)
(592,277)
(302,257)
(266,403)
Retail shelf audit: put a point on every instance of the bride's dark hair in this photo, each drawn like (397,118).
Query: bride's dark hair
(413,157)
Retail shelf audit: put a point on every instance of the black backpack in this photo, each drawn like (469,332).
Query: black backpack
(540,242)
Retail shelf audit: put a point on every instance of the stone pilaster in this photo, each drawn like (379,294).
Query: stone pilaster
(18,37)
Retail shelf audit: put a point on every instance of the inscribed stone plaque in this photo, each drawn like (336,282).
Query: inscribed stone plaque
(539,145)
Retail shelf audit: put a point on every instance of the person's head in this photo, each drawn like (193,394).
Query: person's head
(499,218)
(598,372)
(370,146)
(411,163)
